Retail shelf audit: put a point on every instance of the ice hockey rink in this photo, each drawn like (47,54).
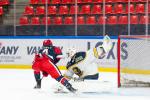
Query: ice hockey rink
(18,85)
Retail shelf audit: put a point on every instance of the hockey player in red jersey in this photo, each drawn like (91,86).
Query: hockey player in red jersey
(45,63)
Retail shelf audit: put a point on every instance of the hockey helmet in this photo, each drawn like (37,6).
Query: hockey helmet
(47,43)
(71,51)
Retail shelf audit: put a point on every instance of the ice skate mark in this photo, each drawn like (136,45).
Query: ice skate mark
(97,93)
(61,92)
(90,92)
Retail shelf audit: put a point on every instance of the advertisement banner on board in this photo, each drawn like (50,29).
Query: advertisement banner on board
(21,51)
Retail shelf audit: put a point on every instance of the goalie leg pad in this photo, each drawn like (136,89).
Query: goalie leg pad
(92,77)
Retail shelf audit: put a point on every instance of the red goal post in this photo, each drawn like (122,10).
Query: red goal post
(133,61)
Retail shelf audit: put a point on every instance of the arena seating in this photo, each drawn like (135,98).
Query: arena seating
(123,20)
(80,20)
(46,20)
(118,9)
(89,12)
(3,4)
(73,9)
(40,10)
(1,10)
(58,20)
(45,1)
(69,20)
(101,20)
(85,9)
(134,19)
(24,20)
(96,9)
(29,10)
(56,1)
(52,10)
(91,20)
(66,1)
(143,19)
(63,10)
(34,2)
(35,21)
(112,20)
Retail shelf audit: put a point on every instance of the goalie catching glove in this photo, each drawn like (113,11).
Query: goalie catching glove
(105,47)
(107,43)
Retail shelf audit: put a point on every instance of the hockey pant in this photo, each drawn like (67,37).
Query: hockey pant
(46,66)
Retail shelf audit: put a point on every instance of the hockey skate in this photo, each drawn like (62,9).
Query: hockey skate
(70,88)
(38,85)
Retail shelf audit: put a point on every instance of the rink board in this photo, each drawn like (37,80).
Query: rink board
(18,53)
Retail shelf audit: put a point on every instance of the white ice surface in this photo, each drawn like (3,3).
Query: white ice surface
(18,85)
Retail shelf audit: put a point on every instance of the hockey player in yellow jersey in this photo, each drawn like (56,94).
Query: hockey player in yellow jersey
(83,64)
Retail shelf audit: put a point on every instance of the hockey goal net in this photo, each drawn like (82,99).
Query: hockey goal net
(133,61)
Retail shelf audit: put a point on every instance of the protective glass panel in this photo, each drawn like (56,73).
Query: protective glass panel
(90,19)
(138,17)
(61,14)
(28,18)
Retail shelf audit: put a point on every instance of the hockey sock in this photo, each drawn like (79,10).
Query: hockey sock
(37,76)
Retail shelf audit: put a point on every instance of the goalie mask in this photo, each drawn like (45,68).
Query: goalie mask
(70,52)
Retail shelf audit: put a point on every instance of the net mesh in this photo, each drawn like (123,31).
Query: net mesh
(135,61)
